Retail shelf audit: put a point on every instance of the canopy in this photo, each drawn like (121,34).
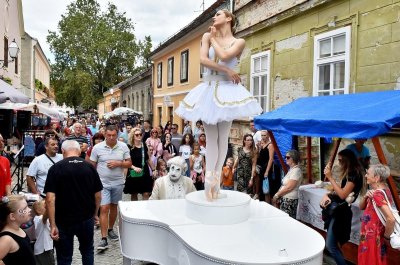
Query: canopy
(362,115)
(125,111)
(8,92)
(54,114)
(121,111)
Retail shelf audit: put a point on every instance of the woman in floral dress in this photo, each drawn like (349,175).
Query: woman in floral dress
(245,164)
(374,239)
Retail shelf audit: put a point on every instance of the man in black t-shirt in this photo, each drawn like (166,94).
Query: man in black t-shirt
(73,195)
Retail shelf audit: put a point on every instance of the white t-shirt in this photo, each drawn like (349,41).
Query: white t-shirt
(295,174)
(185,151)
(257,137)
(39,168)
(43,240)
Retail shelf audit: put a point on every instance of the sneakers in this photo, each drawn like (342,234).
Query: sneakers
(112,235)
(255,197)
(102,245)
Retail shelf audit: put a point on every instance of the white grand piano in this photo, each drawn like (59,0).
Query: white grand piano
(232,230)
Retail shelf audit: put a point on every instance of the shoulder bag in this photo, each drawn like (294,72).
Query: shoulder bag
(135,174)
(395,236)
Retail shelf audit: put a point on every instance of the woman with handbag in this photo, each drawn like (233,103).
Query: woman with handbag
(265,163)
(138,179)
(375,235)
(338,223)
(287,196)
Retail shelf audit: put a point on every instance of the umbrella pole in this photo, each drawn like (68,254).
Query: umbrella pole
(382,159)
(309,165)
(277,151)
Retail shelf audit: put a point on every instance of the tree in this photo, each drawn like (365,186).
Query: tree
(93,51)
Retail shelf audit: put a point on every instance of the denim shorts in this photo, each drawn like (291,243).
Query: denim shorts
(111,195)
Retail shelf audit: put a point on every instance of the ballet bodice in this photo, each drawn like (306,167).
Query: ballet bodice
(231,63)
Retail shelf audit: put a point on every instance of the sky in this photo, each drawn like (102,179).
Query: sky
(158,18)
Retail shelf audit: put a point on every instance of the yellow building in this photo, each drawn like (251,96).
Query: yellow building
(176,66)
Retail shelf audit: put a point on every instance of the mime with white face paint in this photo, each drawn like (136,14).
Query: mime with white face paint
(175,185)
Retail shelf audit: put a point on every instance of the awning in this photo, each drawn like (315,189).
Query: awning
(8,92)
(362,115)
(53,113)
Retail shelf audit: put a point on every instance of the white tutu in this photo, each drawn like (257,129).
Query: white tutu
(217,101)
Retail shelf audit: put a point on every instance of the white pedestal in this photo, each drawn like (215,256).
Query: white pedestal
(234,208)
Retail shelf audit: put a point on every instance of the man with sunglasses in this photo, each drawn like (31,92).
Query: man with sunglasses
(176,138)
(41,149)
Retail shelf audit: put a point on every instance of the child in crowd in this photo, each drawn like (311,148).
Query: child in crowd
(43,248)
(153,158)
(15,244)
(161,168)
(185,150)
(227,175)
(197,167)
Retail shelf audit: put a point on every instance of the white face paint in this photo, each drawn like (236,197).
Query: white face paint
(175,173)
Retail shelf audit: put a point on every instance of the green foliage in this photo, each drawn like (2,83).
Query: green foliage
(93,50)
(7,80)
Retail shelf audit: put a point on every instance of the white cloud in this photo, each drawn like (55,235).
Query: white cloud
(158,18)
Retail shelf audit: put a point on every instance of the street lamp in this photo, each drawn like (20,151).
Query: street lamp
(13,50)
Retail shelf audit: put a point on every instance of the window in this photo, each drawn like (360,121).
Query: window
(259,81)
(332,62)
(159,75)
(171,114)
(159,115)
(170,71)
(184,66)
(5,62)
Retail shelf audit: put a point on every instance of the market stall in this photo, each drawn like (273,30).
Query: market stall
(363,115)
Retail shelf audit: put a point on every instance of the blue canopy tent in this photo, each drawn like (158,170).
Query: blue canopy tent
(362,115)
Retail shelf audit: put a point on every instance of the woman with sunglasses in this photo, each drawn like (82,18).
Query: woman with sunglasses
(351,180)
(155,142)
(15,245)
(287,196)
(140,180)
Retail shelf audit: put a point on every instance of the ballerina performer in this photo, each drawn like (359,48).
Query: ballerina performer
(220,98)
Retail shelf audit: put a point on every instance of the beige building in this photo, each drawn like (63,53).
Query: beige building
(11,29)
(35,70)
(176,66)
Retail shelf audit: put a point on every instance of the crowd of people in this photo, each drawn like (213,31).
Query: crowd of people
(98,166)
(101,160)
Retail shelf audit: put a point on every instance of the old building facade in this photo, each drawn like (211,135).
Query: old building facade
(136,93)
(35,70)
(302,48)
(176,66)
(11,29)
